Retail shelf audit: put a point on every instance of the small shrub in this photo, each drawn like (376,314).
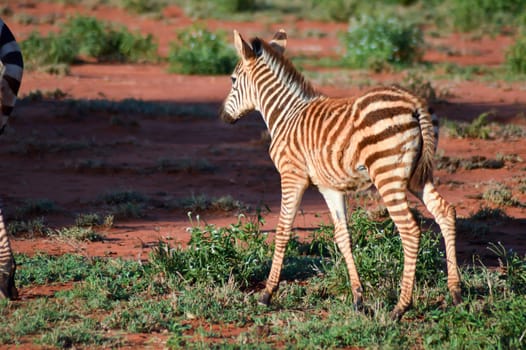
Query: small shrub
(94,219)
(79,233)
(199,51)
(477,129)
(500,194)
(516,56)
(215,254)
(375,42)
(32,227)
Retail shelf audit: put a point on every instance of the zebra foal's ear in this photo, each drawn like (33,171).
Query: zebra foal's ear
(243,49)
(279,41)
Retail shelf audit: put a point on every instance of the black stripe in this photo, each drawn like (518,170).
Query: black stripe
(6,36)
(13,57)
(6,110)
(14,84)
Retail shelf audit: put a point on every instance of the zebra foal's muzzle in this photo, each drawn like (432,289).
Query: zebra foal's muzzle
(226,117)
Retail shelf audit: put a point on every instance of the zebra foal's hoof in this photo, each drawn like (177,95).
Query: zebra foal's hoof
(264,300)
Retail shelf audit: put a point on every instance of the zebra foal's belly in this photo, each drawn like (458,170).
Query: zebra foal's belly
(345,180)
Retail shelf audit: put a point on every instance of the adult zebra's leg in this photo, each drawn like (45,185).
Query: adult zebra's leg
(445,216)
(7,264)
(395,198)
(292,190)
(336,202)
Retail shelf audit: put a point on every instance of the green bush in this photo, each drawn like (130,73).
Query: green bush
(199,51)
(53,49)
(376,42)
(516,56)
(107,42)
(87,36)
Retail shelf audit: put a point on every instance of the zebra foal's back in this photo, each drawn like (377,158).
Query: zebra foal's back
(345,143)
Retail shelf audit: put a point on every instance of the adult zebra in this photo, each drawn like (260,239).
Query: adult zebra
(12,66)
(386,137)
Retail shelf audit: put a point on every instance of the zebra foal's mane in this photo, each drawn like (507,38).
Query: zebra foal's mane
(284,70)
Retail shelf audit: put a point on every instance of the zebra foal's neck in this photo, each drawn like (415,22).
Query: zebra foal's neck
(283,90)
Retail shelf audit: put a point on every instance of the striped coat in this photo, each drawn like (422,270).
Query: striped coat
(385,137)
(12,68)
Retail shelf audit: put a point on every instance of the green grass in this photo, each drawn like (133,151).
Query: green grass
(199,51)
(183,293)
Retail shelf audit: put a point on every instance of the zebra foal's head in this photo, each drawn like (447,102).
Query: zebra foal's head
(241,99)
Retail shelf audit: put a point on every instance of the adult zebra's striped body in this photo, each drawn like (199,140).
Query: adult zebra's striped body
(386,137)
(12,67)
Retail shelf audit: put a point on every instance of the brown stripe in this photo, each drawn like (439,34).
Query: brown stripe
(379,115)
(391,179)
(390,131)
(381,97)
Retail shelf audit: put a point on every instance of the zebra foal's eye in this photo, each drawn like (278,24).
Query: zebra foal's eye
(233,79)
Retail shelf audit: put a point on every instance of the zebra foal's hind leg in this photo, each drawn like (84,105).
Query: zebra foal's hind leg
(445,216)
(7,264)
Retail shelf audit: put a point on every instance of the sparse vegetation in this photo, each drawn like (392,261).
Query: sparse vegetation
(186,164)
(452,164)
(200,203)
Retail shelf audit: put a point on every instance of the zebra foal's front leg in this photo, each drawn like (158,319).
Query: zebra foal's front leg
(336,202)
(292,190)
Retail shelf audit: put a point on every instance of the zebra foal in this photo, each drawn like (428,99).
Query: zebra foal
(386,137)
(12,67)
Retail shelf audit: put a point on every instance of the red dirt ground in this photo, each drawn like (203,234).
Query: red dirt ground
(243,167)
